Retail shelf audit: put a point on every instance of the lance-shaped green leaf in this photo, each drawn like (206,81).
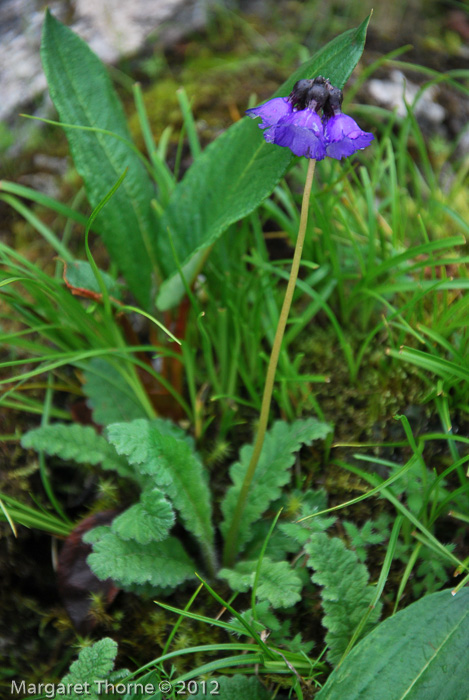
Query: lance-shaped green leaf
(236,173)
(163,452)
(83,95)
(418,654)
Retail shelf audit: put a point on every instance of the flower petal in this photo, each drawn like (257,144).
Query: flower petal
(300,141)
(344,137)
(342,149)
(271,112)
(301,132)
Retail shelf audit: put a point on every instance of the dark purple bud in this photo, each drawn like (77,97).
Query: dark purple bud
(333,105)
(299,93)
(317,95)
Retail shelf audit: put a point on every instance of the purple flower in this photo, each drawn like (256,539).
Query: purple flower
(301,132)
(342,134)
(293,122)
(272,111)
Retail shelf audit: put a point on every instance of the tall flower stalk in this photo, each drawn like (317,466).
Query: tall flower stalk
(294,122)
(230,543)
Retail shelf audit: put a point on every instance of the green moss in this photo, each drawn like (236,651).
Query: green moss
(361,410)
(218,88)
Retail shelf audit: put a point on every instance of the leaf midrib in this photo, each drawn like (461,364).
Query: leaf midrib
(437,650)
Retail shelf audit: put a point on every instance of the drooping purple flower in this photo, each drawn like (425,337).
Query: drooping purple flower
(342,135)
(271,111)
(293,122)
(301,132)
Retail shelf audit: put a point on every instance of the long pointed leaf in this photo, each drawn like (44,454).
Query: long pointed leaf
(418,654)
(83,95)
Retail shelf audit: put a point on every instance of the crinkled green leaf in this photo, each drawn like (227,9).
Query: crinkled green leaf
(132,440)
(233,688)
(80,443)
(346,595)
(278,582)
(301,532)
(94,664)
(159,564)
(272,471)
(150,520)
(94,535)
(83,95)
(109,396)
(161,451)
(418,654)
(237,172)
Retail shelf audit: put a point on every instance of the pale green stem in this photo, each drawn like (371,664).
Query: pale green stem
(232,535)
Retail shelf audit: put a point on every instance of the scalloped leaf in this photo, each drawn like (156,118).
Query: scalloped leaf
(159,564)
(150,520)
(132,440)
(80,443)
(164,453)
(272,471)
(346,595)
(278,582)
(94,663)
(301,532)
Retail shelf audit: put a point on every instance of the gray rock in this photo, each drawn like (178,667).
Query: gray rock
(398,90)
(113,29)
